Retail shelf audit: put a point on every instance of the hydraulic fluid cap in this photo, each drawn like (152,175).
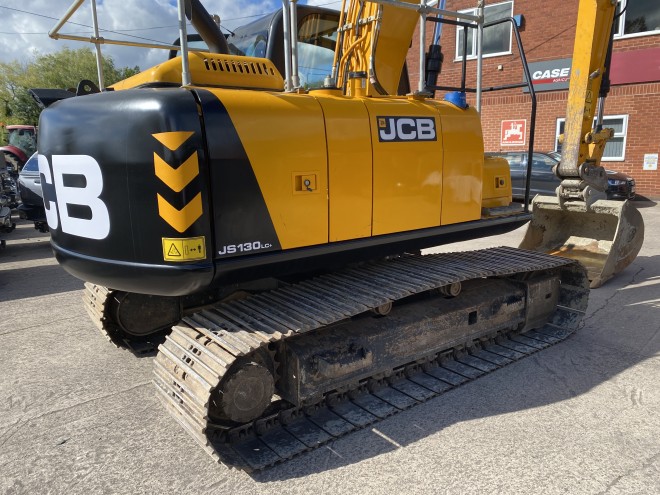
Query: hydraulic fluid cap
(357,83)
(457,98)
(357,75)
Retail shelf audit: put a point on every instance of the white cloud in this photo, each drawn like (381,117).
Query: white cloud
(22,34)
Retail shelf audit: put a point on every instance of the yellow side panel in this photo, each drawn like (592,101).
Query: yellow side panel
(464,155)
(349,165)
(284,138)
(407,181)
(497,183)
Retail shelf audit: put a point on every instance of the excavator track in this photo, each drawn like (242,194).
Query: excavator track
(197,356)
(98,303)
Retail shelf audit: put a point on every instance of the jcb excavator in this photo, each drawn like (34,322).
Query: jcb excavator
(274,230)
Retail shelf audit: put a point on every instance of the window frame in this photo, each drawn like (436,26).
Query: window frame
(622,24)
(623,134)
(473,50)
(311,73)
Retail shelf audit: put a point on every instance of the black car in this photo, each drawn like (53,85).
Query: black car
(544,181)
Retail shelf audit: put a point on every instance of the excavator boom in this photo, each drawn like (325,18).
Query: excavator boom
(604,235)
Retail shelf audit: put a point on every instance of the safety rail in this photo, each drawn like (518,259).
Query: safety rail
(98,40)
(428,11)
(479,89)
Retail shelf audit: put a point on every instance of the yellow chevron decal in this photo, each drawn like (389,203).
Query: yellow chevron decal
(173,140)
(176,179)
(183,218)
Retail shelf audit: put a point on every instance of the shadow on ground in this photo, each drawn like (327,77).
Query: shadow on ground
(50,279)
(643,202)
(592,356)
(28,267)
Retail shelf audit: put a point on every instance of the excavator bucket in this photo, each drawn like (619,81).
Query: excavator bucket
(605,237)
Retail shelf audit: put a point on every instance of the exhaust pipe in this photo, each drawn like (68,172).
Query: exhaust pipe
(206,27)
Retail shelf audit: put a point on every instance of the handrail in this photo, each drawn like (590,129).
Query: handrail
(56,35)
(532,94)
(528,84)
(98,40)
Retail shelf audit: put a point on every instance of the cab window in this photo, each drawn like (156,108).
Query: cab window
(317,37)
(252,45)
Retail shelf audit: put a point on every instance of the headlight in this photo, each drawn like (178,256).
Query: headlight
(616,182)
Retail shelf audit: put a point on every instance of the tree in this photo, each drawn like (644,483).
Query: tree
(62,70)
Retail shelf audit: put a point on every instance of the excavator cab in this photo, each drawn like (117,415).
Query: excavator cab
(605,236)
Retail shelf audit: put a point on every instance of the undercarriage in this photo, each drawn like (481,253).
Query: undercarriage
(259,379)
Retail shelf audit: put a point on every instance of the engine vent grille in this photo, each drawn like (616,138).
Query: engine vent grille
(238,67)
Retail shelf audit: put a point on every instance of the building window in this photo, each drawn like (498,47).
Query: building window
(641,17)
(615,149)
(497,39)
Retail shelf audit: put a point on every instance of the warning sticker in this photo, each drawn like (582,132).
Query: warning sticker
(184,249)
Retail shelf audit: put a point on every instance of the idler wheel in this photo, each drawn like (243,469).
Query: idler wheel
(245,394)
(383,309)
(142,315)
(451,290)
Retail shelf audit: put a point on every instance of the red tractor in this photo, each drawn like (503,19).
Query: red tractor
(22,143)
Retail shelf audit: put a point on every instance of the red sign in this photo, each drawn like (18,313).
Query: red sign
(635,66)
(513,132)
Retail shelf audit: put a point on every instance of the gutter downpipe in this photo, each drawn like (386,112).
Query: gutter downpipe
(437,30)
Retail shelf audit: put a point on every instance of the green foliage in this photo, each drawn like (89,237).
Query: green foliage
(61,70)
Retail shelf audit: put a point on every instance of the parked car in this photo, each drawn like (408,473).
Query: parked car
(544,181)
(29,187)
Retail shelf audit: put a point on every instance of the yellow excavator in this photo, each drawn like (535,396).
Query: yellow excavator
(266,231)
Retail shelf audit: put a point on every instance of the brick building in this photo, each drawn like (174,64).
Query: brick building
(547,30)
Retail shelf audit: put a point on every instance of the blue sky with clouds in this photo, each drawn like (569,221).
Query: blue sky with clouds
(25,25)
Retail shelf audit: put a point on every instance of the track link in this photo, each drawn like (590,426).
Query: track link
(195,357)
(98,303)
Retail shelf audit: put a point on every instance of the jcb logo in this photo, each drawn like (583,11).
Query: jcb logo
(406,129)
(71,196)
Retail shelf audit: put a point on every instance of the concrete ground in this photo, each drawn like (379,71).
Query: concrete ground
(78,416)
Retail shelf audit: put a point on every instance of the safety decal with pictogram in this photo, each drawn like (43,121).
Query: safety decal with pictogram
(184,249)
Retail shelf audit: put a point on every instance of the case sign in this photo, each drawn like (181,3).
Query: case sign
(551,75)
(513,132)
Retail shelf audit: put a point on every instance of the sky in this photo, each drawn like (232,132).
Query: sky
(24,25)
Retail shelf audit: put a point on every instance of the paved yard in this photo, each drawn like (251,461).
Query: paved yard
(78,416)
